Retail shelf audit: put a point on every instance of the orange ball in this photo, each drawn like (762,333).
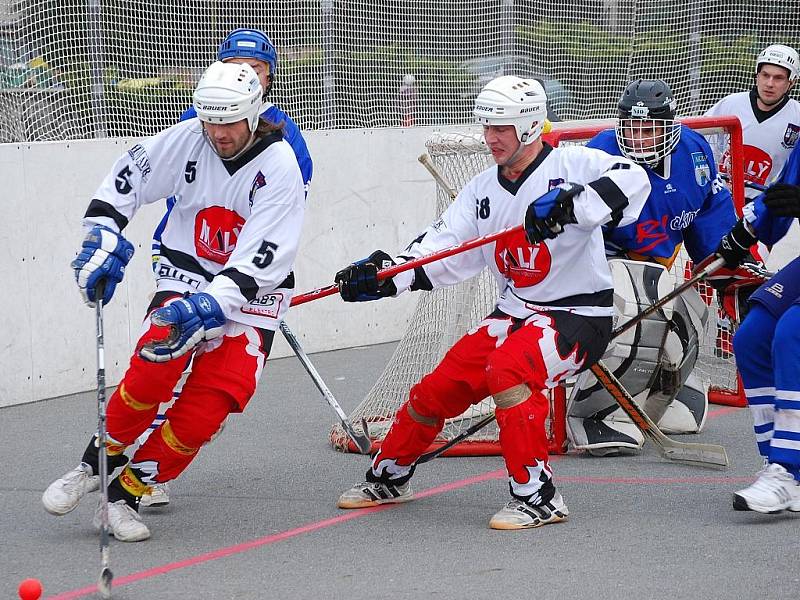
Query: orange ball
(30,589)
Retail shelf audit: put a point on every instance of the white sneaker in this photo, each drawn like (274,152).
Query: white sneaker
(158,496)
(521,515)
(375,493)
(63,495)
(775,490)
(124,523)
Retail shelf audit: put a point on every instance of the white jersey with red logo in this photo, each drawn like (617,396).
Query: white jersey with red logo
(235,227)
(768,136)
(569,272)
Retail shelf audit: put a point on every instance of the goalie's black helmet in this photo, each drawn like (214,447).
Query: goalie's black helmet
(647,99)
(646,129)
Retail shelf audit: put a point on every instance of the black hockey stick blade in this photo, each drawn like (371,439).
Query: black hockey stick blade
(428,456)
(104,583)
(710,455)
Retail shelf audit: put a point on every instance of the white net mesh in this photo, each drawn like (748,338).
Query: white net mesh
(444,315)
(94,68)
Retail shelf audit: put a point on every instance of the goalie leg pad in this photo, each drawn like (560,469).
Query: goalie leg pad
(594,420)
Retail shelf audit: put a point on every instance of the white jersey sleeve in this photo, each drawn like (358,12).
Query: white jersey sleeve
(144,174)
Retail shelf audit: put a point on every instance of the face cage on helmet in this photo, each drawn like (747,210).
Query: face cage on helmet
(651,149)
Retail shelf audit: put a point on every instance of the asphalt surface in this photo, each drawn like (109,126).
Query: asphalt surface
(255,516)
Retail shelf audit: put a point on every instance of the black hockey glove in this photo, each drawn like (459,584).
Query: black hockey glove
(359,282)
(783,200)
(735,245)
(547,215)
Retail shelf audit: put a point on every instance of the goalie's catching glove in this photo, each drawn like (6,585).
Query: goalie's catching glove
(783,200)
(359,282)
(191,320)
(546,216)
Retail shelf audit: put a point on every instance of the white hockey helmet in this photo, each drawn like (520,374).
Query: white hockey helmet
(782,56)
(227,93)
(511,100)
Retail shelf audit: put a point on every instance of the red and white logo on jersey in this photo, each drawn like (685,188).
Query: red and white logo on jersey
(522,263)
(216,231)
(757,164)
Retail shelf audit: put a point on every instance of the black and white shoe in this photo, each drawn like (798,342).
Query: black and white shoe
(774,491)
(521,515)
(373,493)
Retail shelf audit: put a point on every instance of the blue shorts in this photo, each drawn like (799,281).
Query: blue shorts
(780,292)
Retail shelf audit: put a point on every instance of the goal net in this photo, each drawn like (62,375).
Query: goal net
(110,68)
(444,315)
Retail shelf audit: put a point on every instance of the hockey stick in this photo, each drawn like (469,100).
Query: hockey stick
(106,576)
(362,441)
(699,454)
(456,440)
(710,268)
(436,174)
(414,263)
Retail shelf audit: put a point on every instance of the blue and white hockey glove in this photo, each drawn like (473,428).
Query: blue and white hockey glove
(359,282)
(547,215)
(191,320)
(103,258)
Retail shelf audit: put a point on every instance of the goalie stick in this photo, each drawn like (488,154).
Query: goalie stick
(695,453)
(361,440)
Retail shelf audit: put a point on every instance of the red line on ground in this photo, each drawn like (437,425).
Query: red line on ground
(271,539)
(356,514)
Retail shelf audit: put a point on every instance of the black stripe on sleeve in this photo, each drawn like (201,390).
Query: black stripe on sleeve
(421,281)
(100,208)
(247,284)
(610,193)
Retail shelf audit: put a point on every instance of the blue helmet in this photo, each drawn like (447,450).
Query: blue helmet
(249,43)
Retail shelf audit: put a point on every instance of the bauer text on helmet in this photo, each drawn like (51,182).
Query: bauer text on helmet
(646,130)
(511,100)
(782,56)
(228,93)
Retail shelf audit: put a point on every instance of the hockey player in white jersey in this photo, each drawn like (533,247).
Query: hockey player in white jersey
(224,282)
(553,314)
(688,205)
(770,118)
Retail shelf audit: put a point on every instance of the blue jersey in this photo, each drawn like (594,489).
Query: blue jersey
(691,205)
(770,229)
(291,133)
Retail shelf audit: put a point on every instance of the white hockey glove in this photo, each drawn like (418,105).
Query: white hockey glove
(103,258)
(191,320)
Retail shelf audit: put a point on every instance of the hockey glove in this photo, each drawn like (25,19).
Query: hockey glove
(103,257)
(359,282)
(191,320)
(783,200)
(547,215)
(735,245)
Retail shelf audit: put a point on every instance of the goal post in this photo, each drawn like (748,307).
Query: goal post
(442,316)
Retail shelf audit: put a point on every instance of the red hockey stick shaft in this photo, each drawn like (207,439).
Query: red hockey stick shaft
(414,263)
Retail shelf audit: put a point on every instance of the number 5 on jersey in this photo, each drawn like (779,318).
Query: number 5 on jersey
(265,254)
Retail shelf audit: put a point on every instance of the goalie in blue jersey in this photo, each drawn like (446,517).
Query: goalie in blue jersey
(689,205)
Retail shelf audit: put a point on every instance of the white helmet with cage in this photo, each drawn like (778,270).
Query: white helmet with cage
(228,93)
(511,100)
(782,56)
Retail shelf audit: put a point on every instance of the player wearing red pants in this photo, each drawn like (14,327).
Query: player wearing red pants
(224,283)
(553,315)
